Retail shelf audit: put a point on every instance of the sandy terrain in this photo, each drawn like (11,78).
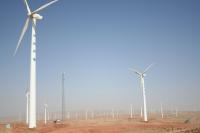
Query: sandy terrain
(182,124)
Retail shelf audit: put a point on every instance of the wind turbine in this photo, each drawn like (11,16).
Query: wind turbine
(113,113)
(86,114)
(45,113)
(161,110)
(176,112)
(63,96)
(141,112)
(92,114)
(32,16)
(141,76)
(131,111)
(27,106)
(76,115)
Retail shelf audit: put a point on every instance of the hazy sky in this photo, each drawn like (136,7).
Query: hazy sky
(95,42)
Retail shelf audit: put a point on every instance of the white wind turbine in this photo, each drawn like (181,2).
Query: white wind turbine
(176,112)
(131,111)
(45,113)
(141,113)
(86,114)
(161,110)
(141,76)
(33,16)
(27,106)
(113,113)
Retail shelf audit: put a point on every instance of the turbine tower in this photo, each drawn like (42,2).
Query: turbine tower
(33,16)
(141,76)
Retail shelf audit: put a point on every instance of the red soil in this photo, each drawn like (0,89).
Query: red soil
(108,126)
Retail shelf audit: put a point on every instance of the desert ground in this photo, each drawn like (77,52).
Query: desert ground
(185,122)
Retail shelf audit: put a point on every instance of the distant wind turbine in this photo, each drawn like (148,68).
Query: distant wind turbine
(63,96)
(33,16)
(68,115)
(92,114)
(161,110)
(131,111)
(141,76)
(86,114)
(76,115)
(176,112)
(27,106)
(113,113)
(45,113)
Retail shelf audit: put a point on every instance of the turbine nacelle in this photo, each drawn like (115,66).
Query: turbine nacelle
(144,75)
(37,16)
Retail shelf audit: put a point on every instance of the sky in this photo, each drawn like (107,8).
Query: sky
(95,42)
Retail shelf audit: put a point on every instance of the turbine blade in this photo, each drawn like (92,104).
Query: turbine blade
(137,72)
(22,34)
(148,67)
(44,6)
(27,6)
